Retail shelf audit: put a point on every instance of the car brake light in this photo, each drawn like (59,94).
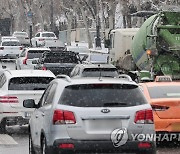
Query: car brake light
(1,48)
(8,99)
(41,39)
(44,68)
(159,108)
(21,48)
(66,146)
(144,145)
(25,61)
(63,117)
(144,117)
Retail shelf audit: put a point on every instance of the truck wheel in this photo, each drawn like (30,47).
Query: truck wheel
(3,126)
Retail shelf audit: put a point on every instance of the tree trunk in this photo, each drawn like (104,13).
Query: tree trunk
(90,45)
(111,13)
(69,17)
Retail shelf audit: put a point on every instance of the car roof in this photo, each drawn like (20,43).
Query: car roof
(38,49)
(10,40)
(20,32)
(26,73)
(93,80)
(46,32)
(96,65)
(155,84)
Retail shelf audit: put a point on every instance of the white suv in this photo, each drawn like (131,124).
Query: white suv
(16,86)
(43,38)
(91,115)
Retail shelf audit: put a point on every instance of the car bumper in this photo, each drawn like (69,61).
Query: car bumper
(166,125)
(100,147)
(7,56)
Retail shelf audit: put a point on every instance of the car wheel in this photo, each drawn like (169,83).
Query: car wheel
(3,126)
(44,146)
(31,148)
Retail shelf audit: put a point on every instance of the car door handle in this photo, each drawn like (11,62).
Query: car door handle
(36,116)
(43,114)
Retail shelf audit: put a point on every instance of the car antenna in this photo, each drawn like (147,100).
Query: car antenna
(100,75)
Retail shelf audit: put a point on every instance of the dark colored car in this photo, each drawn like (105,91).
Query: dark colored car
(58,62)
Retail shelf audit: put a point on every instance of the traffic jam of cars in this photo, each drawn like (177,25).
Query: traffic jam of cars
(73,104)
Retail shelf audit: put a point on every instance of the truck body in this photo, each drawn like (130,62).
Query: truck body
(154,47)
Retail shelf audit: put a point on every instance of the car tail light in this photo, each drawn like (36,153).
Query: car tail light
(144,145)
(1,48)
(144,117)
(8,99)
(159,108)
(41,39)
(25,61)
(63,117)
(44,68)
(21,48)
(66,146)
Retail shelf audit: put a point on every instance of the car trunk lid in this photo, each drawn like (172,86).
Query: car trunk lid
(166,108)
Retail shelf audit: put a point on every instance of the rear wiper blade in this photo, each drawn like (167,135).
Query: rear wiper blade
(114,104)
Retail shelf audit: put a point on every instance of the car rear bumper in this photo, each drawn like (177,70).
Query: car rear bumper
(100,147)
(7,56)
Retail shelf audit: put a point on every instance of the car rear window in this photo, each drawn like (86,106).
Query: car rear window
(48,35)
(35,53)
(29,83)
(11,43)
(164,91)
(96,72)
(61,59)
(102,95)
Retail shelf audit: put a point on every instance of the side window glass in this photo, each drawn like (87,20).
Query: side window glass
(37,35)
(2,80)
(44,96)
(51,94)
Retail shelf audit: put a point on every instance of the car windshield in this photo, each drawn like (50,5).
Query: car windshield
(29,83)
(164,92)
(102,95)
(11,43)
(48,35)
(35,53)
(97,72)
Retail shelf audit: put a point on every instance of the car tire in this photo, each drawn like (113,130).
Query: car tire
(44,149)
(3,126)
(31,148)
(36,44)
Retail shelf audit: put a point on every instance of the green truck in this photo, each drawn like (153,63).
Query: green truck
(155,47)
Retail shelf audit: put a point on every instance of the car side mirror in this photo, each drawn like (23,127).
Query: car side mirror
(29,103)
